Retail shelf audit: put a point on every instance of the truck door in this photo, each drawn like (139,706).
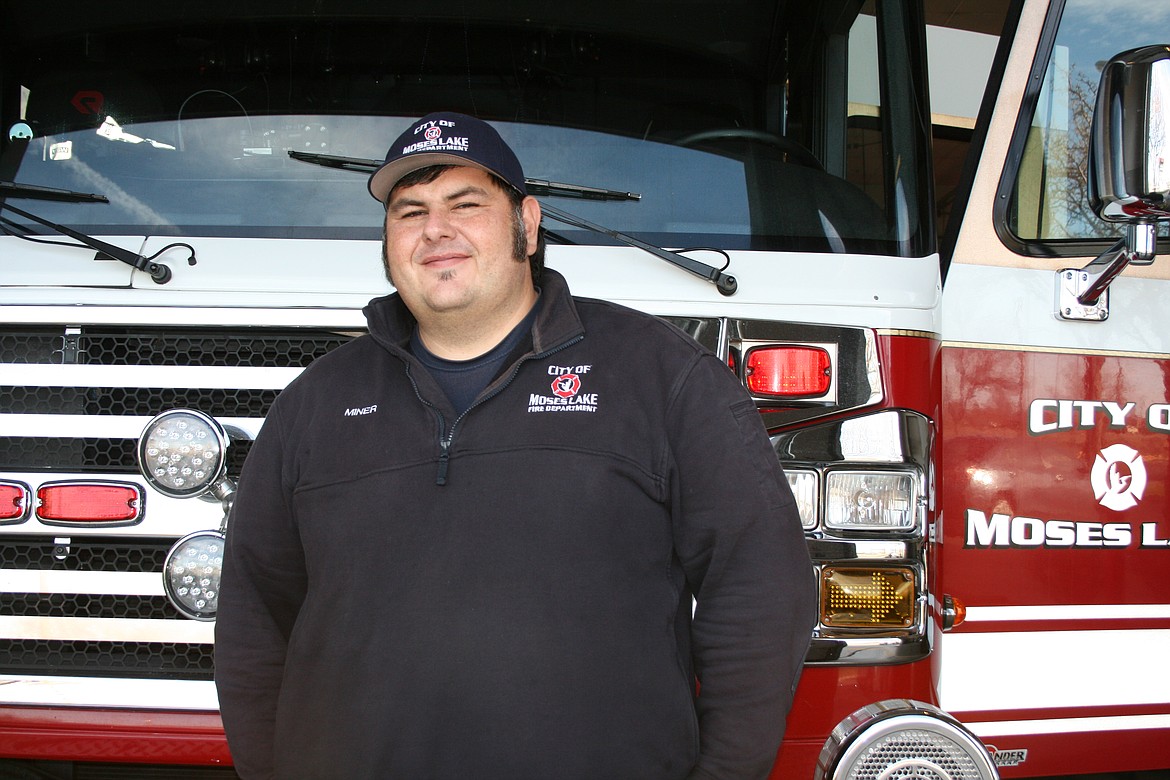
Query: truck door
(1054,424)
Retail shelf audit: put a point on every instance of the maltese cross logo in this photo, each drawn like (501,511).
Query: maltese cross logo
(1119,477)
(566,385)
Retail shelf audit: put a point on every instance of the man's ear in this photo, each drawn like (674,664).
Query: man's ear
(530,209)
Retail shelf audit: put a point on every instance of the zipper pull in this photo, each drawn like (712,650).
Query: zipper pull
(444,459)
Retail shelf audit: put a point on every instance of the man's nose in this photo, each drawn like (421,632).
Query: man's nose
(438,225)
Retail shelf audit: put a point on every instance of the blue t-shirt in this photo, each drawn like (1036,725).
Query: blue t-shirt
(463,380)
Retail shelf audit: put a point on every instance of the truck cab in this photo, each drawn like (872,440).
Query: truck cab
(185,227)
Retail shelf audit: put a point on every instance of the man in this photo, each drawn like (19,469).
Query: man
(487,570)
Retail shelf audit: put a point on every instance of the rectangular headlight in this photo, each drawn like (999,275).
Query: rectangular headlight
(870,500)
(804,489)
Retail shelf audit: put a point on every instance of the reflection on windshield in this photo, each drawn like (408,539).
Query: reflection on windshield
(228,172)
(224,175)
(757,138)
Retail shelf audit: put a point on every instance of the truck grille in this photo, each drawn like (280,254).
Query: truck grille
(63,453)
(131,348)
(171,347)
(161,660)
(133,401)
(83,554)
(87,605)
(169,660)
(72,401)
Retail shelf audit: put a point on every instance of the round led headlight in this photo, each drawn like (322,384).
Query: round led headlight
(901,739)
(183,453)
(191,574)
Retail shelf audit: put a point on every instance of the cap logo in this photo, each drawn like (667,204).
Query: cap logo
(434,141)
(438,137)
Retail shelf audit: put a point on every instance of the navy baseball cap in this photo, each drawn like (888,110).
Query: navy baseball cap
(446,138)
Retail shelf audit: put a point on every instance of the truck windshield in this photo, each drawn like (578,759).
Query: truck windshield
(742,125)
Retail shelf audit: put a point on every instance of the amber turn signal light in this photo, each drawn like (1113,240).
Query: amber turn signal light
(857,597)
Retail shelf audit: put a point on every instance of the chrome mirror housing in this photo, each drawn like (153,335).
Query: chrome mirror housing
(1129,165)
(1129,175)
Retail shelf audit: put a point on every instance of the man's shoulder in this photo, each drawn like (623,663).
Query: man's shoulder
(354,352)
(604,320)
(354,359)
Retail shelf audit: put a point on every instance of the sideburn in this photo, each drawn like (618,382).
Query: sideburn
(519,238)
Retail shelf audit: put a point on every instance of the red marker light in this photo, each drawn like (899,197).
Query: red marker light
(13,501)
(89,503)
(788,371)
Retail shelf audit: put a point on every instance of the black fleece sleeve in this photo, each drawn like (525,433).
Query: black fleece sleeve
(738,536)
(262,589)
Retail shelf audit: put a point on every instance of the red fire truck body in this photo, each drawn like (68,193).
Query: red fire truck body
(1054,457)
(973,418)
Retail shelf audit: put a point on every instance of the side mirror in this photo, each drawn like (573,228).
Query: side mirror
(1129,162)
(1129,175)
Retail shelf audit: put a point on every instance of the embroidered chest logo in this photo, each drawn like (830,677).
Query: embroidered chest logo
(564,392)
(566,386)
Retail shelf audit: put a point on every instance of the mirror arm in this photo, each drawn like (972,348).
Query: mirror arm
(1138,247)
(1083,295)
(1099,273)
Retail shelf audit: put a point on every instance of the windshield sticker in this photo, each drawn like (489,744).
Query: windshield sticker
(62,150)
(88,101)
(20,132)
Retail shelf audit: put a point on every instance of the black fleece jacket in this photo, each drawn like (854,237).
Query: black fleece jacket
(507,594)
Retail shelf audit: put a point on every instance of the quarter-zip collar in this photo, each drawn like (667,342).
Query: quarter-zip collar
(556,326)
(556,323)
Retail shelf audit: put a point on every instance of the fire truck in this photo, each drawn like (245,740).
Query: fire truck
(973,415)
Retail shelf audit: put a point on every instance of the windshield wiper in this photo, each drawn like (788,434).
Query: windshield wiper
(542,187)
(160,273)
(355,164)
(34,192)
(535,186)
(724,283)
